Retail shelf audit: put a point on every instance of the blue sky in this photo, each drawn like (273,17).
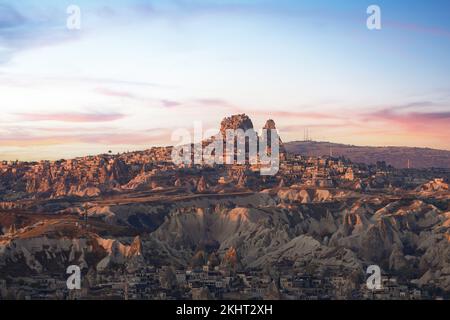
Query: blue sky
(137,70)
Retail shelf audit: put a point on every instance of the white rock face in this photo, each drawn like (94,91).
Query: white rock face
(38,253)
(293,226)
(360,234)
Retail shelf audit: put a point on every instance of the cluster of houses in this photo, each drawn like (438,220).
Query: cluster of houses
(165,282)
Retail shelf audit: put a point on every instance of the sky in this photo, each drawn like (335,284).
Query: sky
(138,70)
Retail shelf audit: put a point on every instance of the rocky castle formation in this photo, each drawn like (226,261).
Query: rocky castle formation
(242,121)
(239,121)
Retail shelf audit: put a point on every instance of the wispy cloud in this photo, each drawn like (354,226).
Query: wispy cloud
(23,30)
(115,93)
(200,103)
(71,117)
(414,27)
(212,102)
(404,121)
(108,139)
(434,124)
(414,105)
(170,103)
(305,115)
(10,17)
(414,117)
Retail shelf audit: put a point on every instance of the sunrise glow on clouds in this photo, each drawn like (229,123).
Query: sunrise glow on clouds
(139,69)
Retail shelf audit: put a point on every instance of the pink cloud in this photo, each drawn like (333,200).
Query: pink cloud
(423,123)
(212,102)
(100,138)
(419,118)
(170,103)
(306,115)
(116,139)
(115,93)
(201,103)
(71,117)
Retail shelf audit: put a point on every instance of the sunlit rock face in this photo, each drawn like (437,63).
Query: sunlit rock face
(239,121)
(434,186)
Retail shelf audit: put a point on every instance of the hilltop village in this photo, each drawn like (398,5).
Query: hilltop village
(141,227)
